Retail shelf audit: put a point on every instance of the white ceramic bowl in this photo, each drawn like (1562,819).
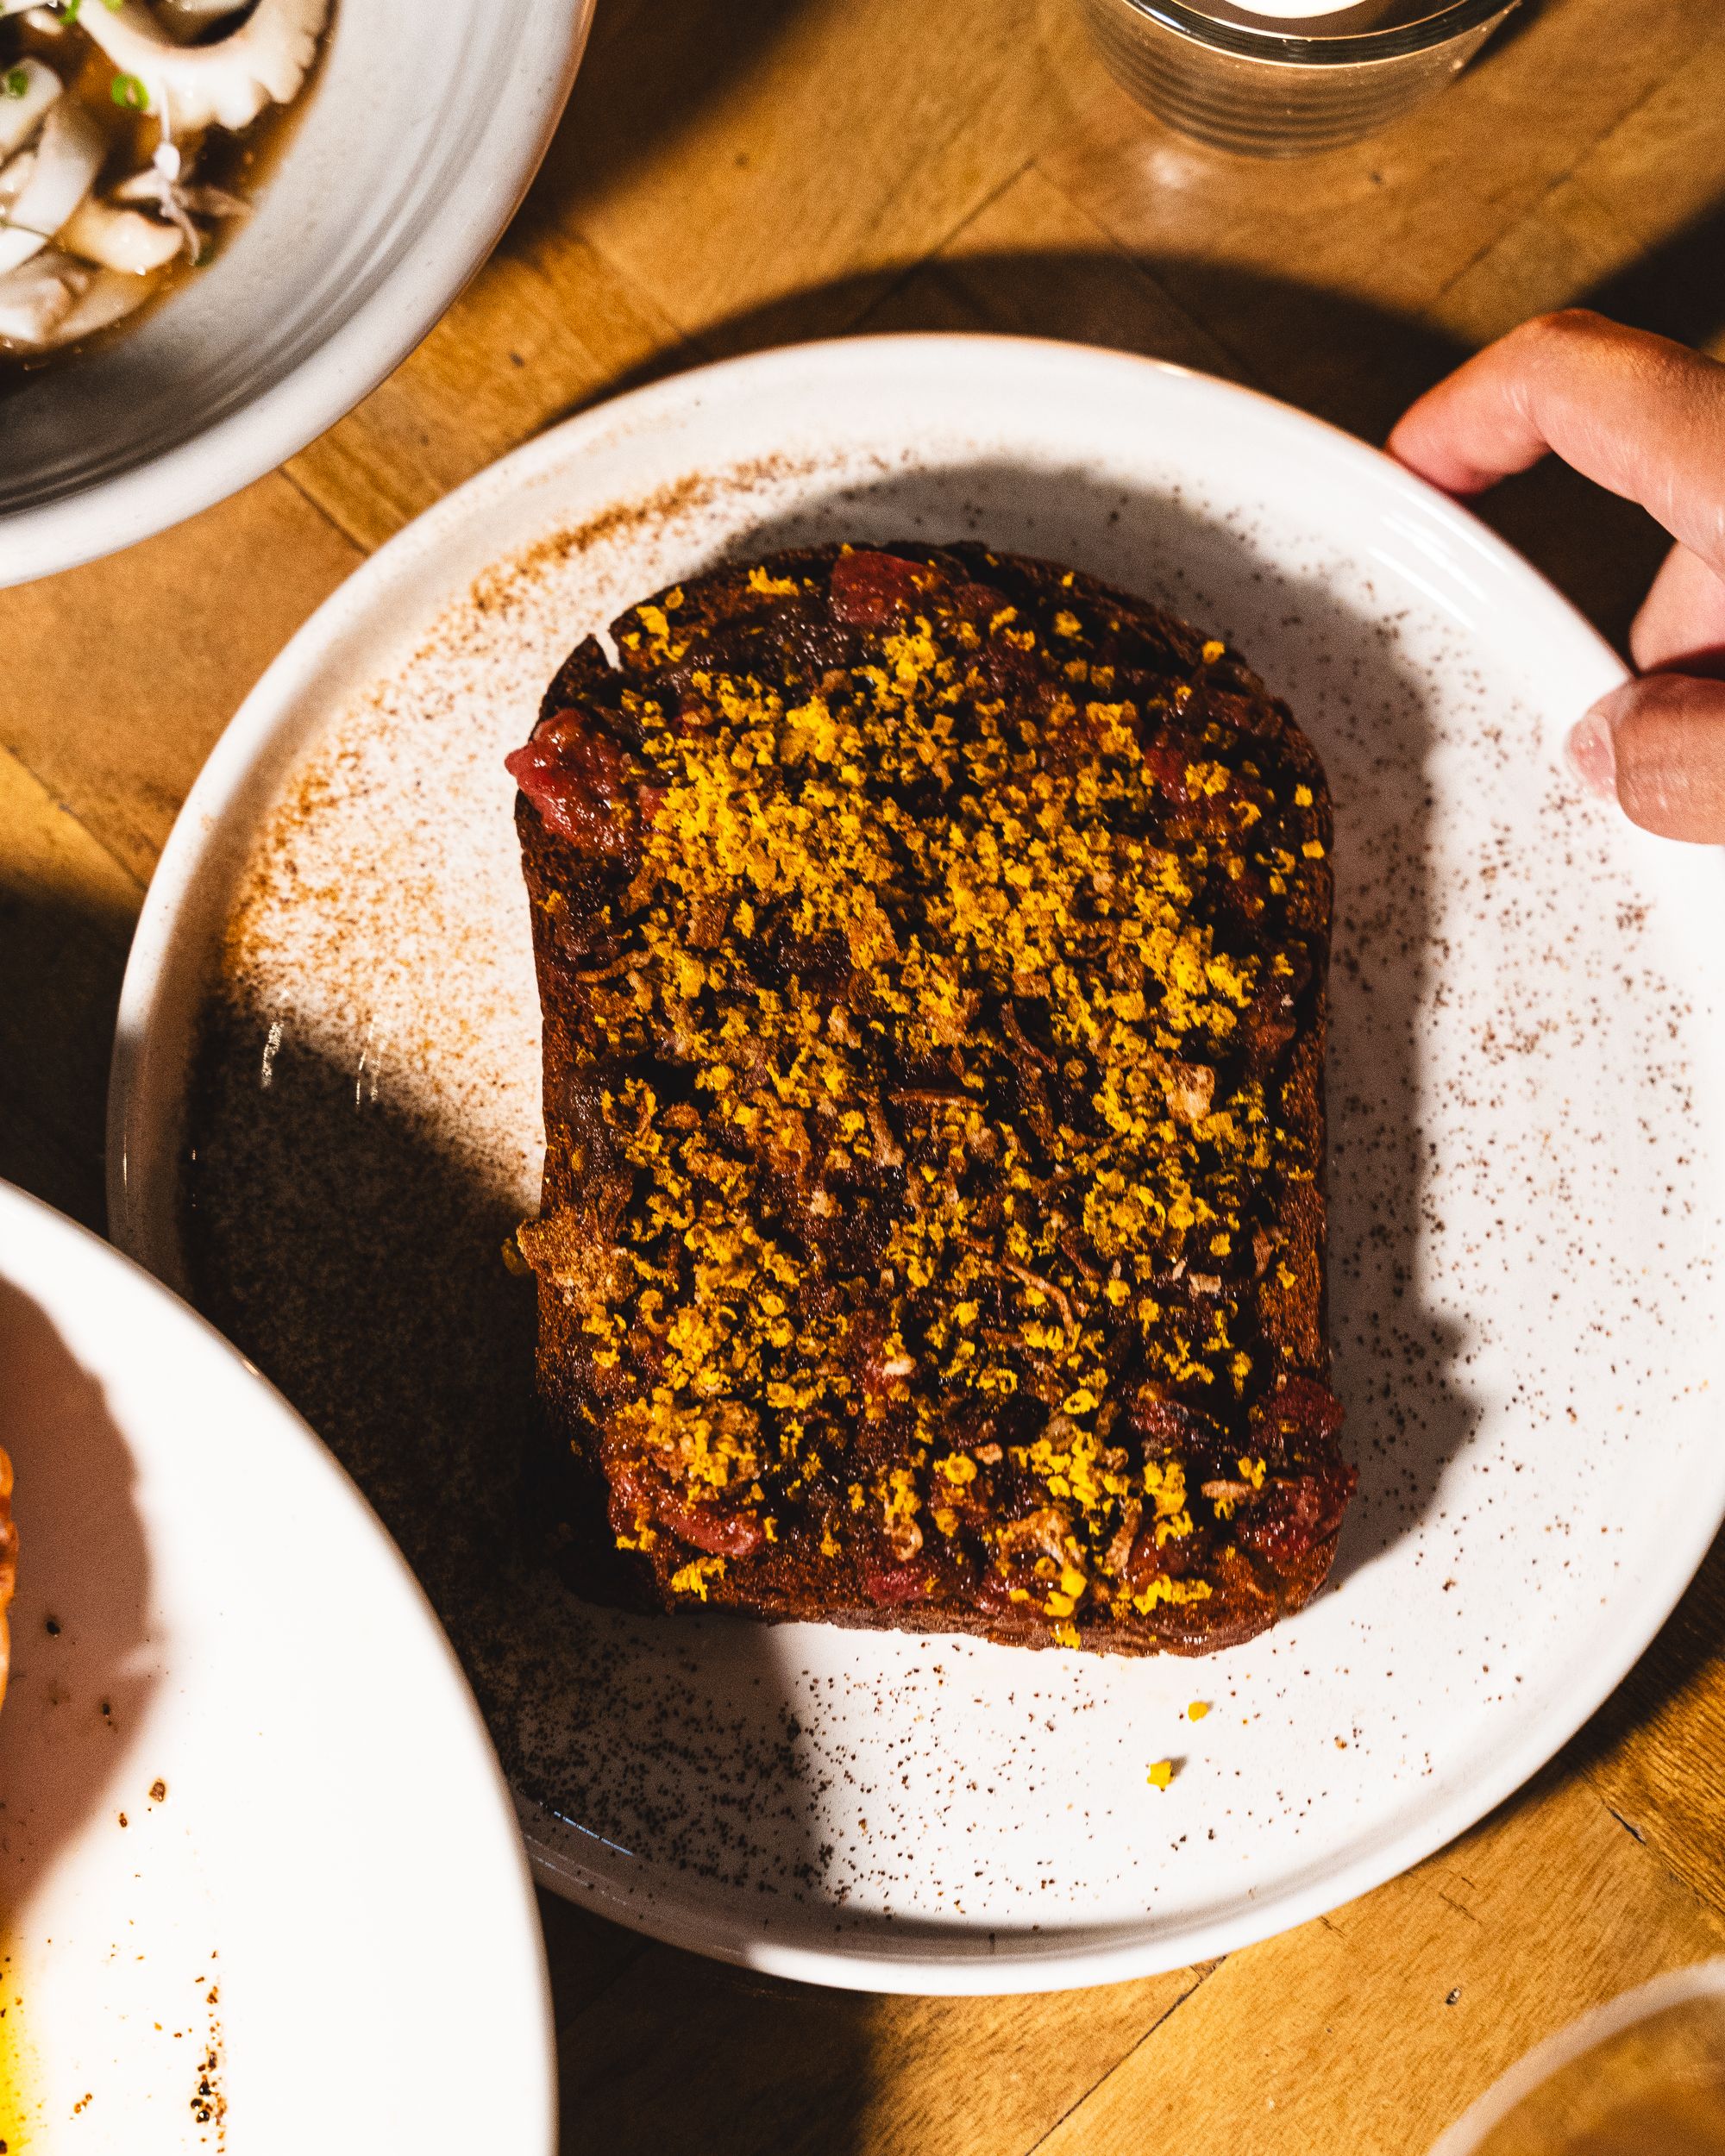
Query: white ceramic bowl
(418,141)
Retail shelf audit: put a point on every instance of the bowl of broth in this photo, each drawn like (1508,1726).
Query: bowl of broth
(224,221)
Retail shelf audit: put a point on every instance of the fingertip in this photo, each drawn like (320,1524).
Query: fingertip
(1664,734)
(1418,448)
(1424,441)
(1636,413)
(1592,753)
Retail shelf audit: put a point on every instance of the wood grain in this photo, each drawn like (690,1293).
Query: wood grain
(119,677)
(1372,2028)
(769,2066)
(733,173)
(545,328)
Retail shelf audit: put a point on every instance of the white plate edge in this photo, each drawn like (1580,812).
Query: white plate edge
(43,1219)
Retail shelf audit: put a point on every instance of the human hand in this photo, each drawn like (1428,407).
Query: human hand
(1645,417)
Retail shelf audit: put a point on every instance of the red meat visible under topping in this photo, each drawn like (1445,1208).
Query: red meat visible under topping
(890,1586)
(1149,1559)
(869,589)
(721,1534)
(1169,1421)
(1296,1514)
(581,782)
(1302,1410)
(1165,765)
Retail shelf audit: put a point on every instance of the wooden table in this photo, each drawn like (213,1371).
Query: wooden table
(734,173)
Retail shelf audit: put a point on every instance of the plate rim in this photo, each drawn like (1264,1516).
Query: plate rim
(39,1222)
(872,1960)
(146,499)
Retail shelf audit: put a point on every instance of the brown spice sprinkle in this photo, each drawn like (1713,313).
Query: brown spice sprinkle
(931,945)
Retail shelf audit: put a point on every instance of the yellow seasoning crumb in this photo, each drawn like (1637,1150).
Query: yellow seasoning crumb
(1303,797)
(1197,1710)
(826,845)
(1161,1774)
(1314,849)
(770,586)
(692,1578)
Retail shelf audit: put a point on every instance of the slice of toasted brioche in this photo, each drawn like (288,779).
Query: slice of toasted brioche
(932,946)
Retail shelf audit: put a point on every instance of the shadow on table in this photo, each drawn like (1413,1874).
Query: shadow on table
(651,69)
(1689,1652)
(60,970)
(654,72)
(1355,364)
(1515,26)
(662,2053)
(1344,360)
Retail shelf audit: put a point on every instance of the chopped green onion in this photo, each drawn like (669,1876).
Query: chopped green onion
(68,9)
(132,92)
(15,82)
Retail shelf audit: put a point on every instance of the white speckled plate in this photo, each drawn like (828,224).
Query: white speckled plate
(261,1885)
(1526,1191)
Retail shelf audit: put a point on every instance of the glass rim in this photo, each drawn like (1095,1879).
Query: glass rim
(1570,2045)
(1286,49)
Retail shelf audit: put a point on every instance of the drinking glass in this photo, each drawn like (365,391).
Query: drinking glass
(1269,88)
(1644,2076)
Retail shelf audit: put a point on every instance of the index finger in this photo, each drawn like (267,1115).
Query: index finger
(1640,415)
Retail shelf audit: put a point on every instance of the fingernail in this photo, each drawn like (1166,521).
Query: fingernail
(1593,755)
